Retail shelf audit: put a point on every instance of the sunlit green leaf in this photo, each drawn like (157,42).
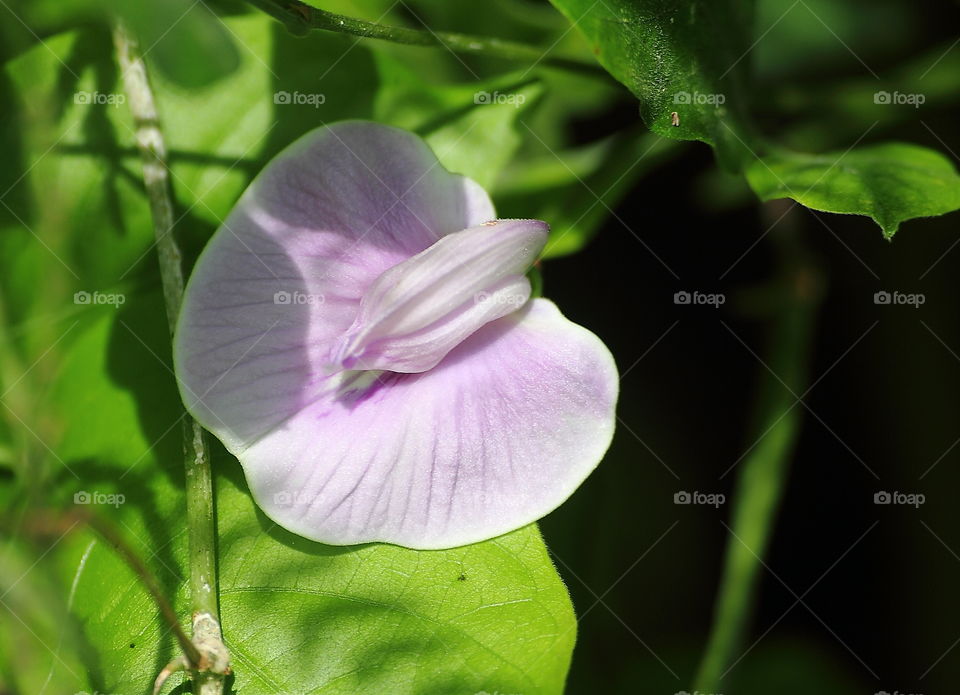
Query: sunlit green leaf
(890,182)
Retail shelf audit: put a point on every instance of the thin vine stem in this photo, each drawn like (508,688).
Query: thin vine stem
(214,661)
(763,474)
(300,18)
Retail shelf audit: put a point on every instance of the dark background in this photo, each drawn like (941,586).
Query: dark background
(883,607)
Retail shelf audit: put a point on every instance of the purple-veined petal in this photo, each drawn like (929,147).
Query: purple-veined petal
(492,438)
(284,275)
(420,309)
(501,412)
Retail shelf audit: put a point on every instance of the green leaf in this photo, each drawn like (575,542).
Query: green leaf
(676,57)
(70,193)
(237,124)
(220,136)
(489,617)
(485,137)
(184,39)
(890,182)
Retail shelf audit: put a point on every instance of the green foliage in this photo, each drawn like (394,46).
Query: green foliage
(675,59)
(577,188)
(890,182)
(298,616)
(490,617)
(191,45)
(686,63)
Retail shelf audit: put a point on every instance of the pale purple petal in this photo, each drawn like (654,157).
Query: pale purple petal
(470,417)
(417,311)
(494,437)
(284,275)
(423,349)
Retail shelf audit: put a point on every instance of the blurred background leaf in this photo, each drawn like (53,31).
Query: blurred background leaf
(190,45)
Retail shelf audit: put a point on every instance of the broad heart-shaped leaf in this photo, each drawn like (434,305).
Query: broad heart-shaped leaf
(489,617)
(298,615)
(890,182)
(686,58)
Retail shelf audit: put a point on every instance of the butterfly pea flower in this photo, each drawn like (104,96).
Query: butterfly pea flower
(360,334)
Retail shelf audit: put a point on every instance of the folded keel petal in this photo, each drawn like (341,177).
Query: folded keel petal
(424,349)
(417,311)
